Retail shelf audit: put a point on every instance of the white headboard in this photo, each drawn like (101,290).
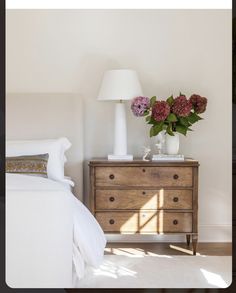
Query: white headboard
(45,116)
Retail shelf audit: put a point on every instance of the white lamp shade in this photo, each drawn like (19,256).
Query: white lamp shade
(120,84)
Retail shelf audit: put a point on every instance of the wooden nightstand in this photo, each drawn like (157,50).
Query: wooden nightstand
(146,197)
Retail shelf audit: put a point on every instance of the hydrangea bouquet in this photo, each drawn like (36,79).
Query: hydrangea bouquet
(173,115)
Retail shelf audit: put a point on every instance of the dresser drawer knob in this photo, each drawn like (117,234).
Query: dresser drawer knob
(175,222)
(111,198)
(175,199)
(143,192)
(144,170)
(111,221)
(111,176)
(176,176)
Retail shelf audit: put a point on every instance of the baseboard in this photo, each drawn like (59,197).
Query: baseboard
(207,233)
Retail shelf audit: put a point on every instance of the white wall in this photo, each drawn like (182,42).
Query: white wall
(172,50)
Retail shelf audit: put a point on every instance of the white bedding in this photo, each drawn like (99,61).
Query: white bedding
(88,238)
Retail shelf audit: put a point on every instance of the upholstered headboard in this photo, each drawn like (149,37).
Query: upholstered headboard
(45,116)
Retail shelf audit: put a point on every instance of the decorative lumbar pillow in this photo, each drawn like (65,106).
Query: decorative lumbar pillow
(54,147)
(31,165)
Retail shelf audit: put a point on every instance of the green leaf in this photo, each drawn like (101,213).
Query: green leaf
(199,118)
(181,129)
(164,127)
(148,118)
(153,100)
(151,133)
(146,113)
(170,100)
(193,118)
(184,121)
(172,117)
(155,129)
(169,130)
(158,127)
(152,121)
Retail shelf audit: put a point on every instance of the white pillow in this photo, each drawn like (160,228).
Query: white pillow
(54,147)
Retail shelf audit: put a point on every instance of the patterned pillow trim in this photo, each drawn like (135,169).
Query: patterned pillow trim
(33,165)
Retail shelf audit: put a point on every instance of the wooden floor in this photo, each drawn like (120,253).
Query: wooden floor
(214,249)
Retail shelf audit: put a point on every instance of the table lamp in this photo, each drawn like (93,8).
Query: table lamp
(120,85)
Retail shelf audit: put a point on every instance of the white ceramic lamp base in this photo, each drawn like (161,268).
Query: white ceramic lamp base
(120,136)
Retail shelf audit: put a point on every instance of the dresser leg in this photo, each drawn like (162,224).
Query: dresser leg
(188,237)
(194,243)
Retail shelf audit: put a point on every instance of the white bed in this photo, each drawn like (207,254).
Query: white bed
(43,217)
(47,228)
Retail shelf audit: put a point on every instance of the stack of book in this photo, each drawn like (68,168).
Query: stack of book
(120,157)
(163,157)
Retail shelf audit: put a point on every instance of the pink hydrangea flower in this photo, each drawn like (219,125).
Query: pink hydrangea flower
(160,110)
(181,106)
(139,105)
(199,103)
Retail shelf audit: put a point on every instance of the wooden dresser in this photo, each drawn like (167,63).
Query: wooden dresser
(146,197)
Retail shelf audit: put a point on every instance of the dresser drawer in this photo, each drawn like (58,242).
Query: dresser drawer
(143,199)
(143,176)
(145,222)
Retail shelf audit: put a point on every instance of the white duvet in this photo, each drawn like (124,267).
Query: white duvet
(88,238)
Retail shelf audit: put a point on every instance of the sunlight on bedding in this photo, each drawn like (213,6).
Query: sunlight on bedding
(214,279)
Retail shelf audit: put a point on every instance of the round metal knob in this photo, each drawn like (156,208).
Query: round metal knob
(144,170)
(111,221)
(111,176)
(176,176)
(111,198)
(175,199)
(175,222)
(143,192)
